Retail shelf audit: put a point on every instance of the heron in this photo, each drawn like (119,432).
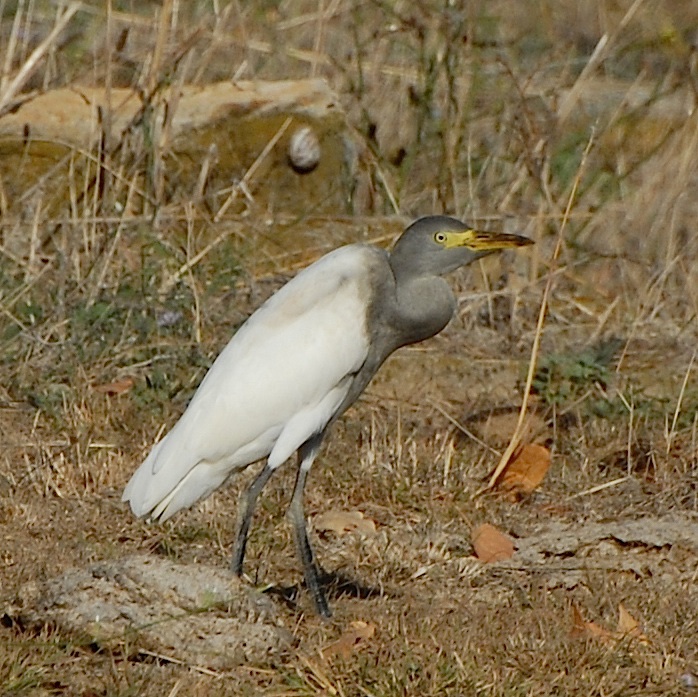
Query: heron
(297,363)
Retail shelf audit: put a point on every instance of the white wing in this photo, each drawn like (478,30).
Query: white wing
(278,381)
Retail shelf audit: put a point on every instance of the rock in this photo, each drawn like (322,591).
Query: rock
(187,612)
(180,143)
(304,150)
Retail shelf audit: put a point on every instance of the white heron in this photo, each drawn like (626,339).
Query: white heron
(298,363)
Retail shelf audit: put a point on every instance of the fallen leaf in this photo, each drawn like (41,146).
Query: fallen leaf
(580,627)
(491,545)
(526,469)
(578,622)
(352,638)
(342,522)
(627,626)
(116,387)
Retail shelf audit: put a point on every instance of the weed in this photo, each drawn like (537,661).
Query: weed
(562,378)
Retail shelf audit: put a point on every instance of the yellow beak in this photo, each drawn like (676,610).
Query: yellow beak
(485,241)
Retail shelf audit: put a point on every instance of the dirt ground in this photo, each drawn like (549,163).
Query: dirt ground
(600,595)
(441,621)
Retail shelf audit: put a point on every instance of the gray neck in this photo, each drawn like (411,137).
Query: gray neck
(425,305)
(405,308)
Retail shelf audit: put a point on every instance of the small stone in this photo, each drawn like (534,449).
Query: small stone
(689,680)
(169,318)
(304,150)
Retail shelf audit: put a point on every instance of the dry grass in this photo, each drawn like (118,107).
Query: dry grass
(457,110)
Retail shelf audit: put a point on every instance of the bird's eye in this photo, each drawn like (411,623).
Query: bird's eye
(440,237)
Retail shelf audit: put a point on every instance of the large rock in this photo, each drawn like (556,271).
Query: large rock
(187,612)
(182,143)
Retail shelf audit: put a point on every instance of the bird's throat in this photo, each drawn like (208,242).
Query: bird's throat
(424,306)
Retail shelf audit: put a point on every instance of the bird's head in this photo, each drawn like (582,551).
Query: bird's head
(438,244)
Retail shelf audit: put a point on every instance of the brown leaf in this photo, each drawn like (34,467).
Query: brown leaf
(491,545)
(352,638)
(578,622)
(627,626)
(580,627)
(526,469)
(342,522)
(116,387)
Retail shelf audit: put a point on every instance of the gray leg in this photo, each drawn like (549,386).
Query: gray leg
(245,516)
(306,455)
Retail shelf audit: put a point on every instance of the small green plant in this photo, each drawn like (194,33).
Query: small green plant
(562,378)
